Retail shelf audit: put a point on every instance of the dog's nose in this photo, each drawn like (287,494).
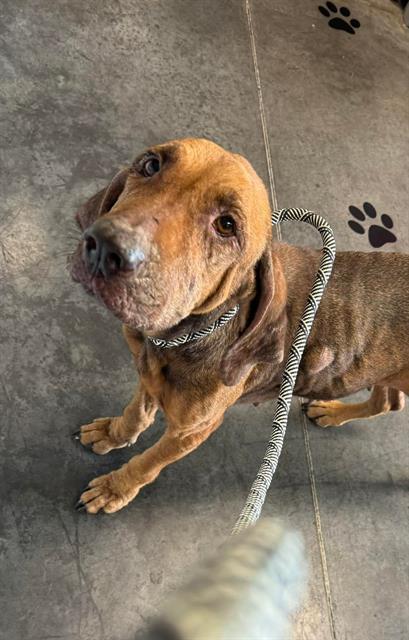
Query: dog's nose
(105,254)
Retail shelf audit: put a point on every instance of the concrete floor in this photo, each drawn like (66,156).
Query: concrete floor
(85,86)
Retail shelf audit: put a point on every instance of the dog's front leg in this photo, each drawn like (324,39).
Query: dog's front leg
(115,490)
(105,434)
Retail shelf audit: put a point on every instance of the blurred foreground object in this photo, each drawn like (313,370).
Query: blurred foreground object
(247,591)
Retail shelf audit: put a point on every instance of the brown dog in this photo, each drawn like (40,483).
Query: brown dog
(180,237)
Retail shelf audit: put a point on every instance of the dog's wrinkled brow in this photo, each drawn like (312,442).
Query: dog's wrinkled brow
(166,153)
(228,201)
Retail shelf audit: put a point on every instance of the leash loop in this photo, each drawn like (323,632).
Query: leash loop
(258,492)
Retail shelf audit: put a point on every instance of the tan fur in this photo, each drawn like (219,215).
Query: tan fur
(190,276)
(333,413)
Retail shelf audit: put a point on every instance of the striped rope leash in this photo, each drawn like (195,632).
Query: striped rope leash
(195,335)
(257,495)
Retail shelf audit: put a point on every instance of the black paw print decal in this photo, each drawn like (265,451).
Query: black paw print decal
(339,23)
(377,235)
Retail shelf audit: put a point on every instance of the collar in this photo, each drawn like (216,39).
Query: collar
(195,335)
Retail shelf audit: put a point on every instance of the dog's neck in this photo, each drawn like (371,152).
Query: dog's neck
(199,322)
(256,295)
(223,351)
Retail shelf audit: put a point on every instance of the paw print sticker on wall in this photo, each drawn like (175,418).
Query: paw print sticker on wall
(331,10)
(378,235)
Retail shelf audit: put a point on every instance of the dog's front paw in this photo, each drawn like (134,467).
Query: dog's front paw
(110,493)
(103,435)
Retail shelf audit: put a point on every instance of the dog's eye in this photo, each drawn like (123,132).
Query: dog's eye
(149,166)
(225,226)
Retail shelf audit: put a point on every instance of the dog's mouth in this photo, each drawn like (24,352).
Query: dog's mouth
(128,296)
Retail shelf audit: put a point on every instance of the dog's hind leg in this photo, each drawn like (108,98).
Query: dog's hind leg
(105,434)
(333,413)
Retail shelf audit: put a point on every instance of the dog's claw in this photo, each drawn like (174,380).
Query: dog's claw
(304,406)
(76,435)
(80,505)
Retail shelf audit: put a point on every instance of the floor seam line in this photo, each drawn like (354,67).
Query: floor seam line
(262,112)
(320,535)
(274,200)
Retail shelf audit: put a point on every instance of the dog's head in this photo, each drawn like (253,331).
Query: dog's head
(172,235)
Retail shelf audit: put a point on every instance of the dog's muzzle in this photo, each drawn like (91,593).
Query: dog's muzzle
(108,250)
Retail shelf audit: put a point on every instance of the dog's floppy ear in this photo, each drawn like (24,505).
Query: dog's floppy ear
(264,338)
(101,202)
